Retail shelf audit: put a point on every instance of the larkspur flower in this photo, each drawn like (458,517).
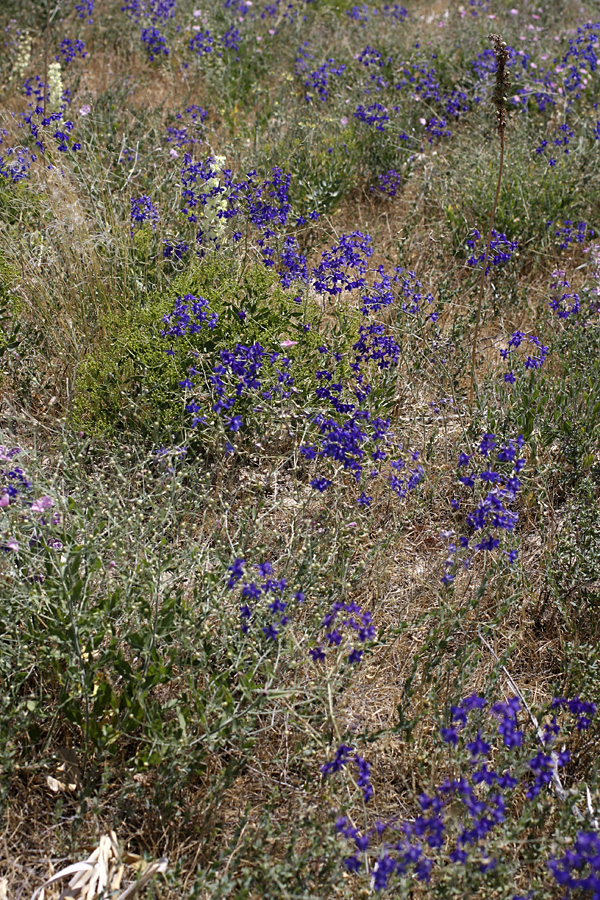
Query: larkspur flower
(154,43)
(143,210)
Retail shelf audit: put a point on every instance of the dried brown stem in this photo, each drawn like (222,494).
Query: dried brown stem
(501,86)
(485,262)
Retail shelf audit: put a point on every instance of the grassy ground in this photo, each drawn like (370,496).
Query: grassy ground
(290,595)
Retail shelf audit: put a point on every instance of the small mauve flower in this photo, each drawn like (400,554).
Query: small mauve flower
(42,504)
(85,110)
(4,500)
(287,343)
(173,153)
(11,544)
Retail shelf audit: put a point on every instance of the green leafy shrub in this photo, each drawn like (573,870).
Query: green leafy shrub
(131,384)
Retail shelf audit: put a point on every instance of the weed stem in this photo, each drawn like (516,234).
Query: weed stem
(485,261)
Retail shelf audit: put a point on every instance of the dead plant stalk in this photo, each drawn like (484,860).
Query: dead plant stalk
(499,100)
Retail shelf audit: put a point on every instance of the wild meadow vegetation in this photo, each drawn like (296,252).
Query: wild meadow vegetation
(300,448)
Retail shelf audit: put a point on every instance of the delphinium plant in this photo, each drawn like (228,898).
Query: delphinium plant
(274,602)
(479,831)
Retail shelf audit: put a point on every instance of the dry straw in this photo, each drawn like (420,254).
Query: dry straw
(102,874)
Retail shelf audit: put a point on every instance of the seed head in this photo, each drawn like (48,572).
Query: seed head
(502,81)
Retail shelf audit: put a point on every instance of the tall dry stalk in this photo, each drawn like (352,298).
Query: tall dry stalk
(499,100)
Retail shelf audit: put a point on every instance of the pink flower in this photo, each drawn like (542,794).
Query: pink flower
(288,343)
(11,544)
(173,153)
(197,13)
(514,12)
(423,121)
(4,500)
(344,120)
(85,110)
(42,504)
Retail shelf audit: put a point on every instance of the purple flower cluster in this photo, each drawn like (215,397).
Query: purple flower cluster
(358,623)
(154,10)
(501,250)
(235,378)
(493,513)
(403,286)
(562,140)
(581,59)
(402,485)
(232,40)
(251,593)
(185,134)
(455,103)
(143,210)
(360,14)
(85,8)
(481,5)
(371,57)
(35,119)
(343,267)
(343,755)
(69,50)
(436,128)
(375,114)
(583,709)
(457,819)
(154,43)
(202,43)
(484,65)
(422,82)
(201,182)
(318,81)
(190,314)
(563,302)
(14,482)
(571,233)
(388,183)
(15,163)
(535,361)
(395,11)
(579,868)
